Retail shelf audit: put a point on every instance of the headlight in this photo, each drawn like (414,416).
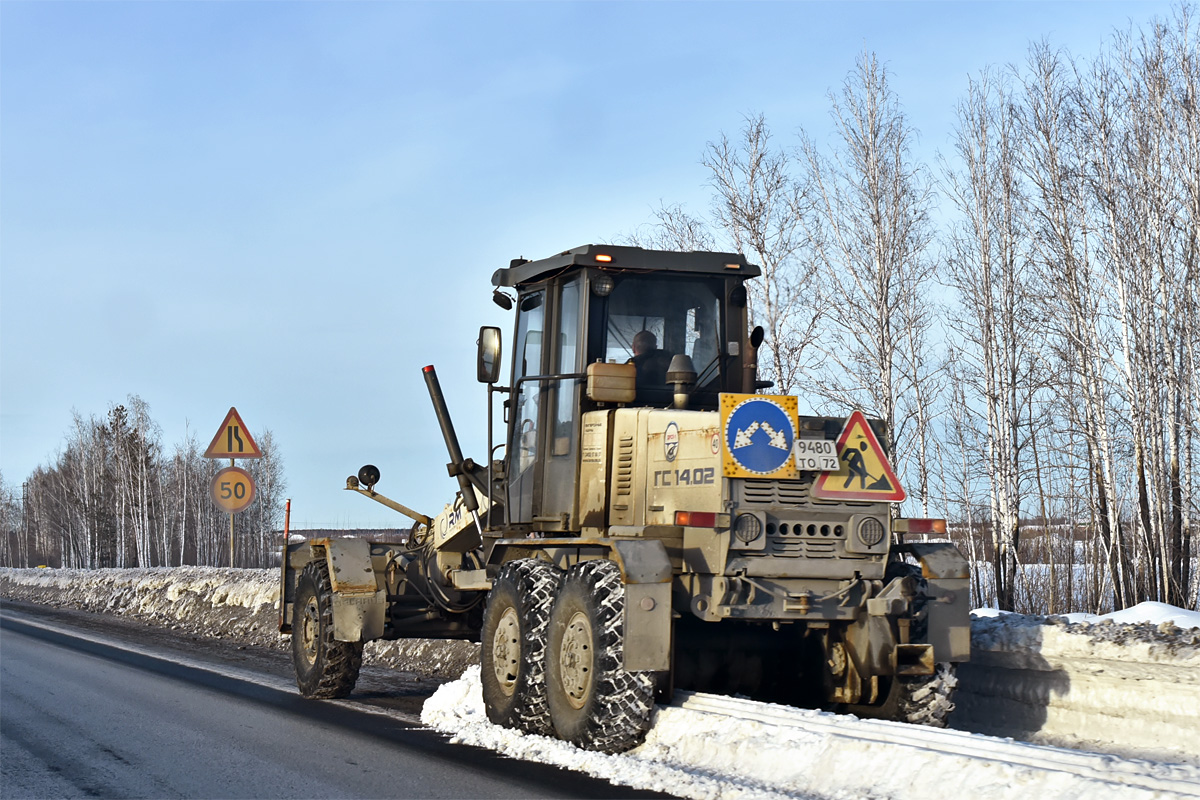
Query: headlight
(870,531)
(747,528)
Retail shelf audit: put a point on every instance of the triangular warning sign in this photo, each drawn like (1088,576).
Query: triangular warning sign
(233,440)
(865,473)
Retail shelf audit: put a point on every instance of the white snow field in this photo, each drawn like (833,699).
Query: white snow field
(1123,691)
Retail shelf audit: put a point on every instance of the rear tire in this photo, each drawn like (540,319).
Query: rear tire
(594,702)
(513,639)
(917,699)
(324,666)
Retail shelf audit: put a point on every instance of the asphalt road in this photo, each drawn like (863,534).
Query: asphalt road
(81,716)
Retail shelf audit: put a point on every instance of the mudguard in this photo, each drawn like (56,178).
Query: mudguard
(947,577)
(646,570)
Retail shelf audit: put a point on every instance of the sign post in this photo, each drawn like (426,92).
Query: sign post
(232,488)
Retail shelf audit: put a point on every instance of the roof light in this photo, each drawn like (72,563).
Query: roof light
(733,266)
(603,257)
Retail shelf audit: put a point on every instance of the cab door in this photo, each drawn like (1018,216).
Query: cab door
(559,455)
(525,411)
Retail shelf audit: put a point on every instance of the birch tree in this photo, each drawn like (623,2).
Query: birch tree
(987,264)
(873,205)
(1053,161)
(759,204)
(673,229)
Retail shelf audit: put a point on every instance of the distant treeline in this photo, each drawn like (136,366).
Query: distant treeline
(115,497)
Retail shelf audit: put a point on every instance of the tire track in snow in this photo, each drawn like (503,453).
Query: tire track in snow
(1180,780)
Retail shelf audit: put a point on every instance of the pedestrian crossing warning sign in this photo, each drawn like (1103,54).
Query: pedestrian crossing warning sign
(233,440)
(865,473)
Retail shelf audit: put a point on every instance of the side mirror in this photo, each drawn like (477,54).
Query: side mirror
(757,336)
(487,366)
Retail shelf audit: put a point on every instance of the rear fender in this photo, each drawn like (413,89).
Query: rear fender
(947,576)
(646,570)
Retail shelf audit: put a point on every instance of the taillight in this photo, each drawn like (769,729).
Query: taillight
(696,519)
(926,526)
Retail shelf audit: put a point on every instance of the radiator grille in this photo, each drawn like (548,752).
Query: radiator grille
(765,494)
(625,466)
(798,526)
(774,493)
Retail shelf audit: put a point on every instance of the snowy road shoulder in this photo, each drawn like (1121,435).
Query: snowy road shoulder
(718,748)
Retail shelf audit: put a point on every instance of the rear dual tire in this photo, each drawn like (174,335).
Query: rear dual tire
(594,701)
(552,656)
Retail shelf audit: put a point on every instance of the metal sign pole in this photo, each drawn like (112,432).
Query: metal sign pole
(231,531)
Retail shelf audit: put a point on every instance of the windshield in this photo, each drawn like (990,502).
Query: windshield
(650,320)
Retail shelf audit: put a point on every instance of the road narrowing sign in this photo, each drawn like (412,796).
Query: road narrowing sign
(233,489)
(233,440)
(865,473)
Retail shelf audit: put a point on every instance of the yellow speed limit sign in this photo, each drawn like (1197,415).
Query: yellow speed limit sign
(233,489)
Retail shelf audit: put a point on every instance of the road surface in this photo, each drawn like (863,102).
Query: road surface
(83,715)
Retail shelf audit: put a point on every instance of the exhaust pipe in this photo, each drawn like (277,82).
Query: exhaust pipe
(458,467)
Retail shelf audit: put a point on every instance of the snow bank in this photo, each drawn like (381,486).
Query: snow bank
(1127,682)
(139,590)
(1148,612)
(457,708)
(207,601)
(213,602)
(722,749)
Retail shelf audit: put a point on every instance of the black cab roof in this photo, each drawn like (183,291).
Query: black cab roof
(621,258)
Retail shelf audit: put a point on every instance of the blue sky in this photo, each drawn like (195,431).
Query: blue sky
(292,207)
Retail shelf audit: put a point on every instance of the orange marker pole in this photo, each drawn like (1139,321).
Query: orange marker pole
(283,565)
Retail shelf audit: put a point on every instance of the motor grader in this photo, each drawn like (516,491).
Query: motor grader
(651,519)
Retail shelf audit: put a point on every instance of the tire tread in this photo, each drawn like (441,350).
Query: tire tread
(338,663)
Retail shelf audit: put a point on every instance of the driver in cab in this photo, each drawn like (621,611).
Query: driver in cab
(651,363)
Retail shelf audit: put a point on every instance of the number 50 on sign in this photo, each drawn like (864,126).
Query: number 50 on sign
(233,489)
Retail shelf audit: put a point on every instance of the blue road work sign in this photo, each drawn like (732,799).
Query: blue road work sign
(759,431)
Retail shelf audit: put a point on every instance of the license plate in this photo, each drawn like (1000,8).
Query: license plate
(816,455)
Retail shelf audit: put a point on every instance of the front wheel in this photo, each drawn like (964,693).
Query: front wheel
(594,701)
(324,666)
